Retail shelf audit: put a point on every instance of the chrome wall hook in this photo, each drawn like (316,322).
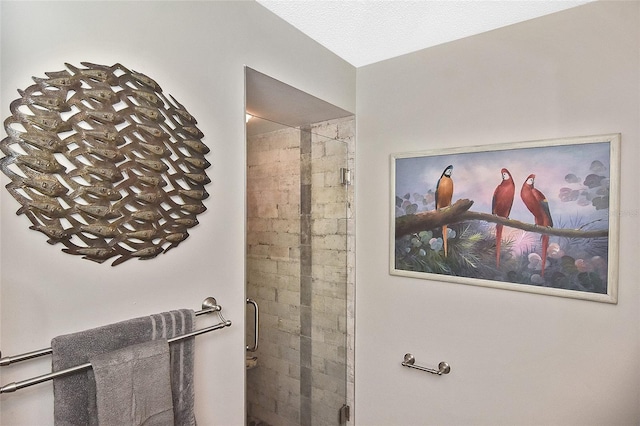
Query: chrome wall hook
(409,361)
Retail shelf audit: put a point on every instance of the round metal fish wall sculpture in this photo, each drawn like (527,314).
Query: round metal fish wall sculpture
(104,163)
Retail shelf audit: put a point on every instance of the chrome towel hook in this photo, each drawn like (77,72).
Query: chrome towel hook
(443,367)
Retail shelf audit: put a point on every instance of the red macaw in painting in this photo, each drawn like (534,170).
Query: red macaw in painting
(538,205)
(444,193)
(501,205)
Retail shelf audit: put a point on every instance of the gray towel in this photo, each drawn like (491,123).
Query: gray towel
(74,395)
(133,385)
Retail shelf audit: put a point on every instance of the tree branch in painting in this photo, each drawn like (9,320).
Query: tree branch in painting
(459,212)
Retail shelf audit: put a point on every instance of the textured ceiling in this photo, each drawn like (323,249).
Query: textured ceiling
(366,31)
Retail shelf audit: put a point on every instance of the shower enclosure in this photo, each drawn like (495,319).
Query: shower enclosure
(299,247)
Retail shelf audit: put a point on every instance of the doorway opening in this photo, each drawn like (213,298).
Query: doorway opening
(299,256)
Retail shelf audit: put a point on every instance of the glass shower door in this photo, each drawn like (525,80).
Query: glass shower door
(329,273)
(297,234)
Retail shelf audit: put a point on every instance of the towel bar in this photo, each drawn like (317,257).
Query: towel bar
(409,361)
(208,305)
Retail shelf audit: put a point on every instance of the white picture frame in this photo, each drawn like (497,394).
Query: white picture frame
(579,178)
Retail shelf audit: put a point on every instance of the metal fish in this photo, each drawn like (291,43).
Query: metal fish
(101,230)
(194,194)
(196,145)
(193,131)
(102,212)
(148,252)
(147,96)
(155,165)
(199,178)
(108,154)
(199,163)
(150,113)
(49,208)
(46,185)
(184,115)
(104,116)
(55,103)
(194,208)
(51,231)
(105,135)
(96,74)
(103,96)
(94,252)
(110,173)
(150,197)
(181,110)
(57,74)
(153,131)
(42,140)
(40,161)
(152,180)
(154,149)
(93,72)
(49,122)
(187,221)
(145,235)
(145,80)
(177,237)
(61,80)
(100,191)
(146,215)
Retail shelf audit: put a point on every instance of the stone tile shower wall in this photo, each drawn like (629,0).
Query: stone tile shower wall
(297,272)
(273,274)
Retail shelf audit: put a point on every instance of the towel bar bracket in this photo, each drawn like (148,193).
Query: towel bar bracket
(210,303)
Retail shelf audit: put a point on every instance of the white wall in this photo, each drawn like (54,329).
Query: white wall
(516,358)
(196,51)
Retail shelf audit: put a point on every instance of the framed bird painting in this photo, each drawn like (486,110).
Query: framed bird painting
(538,216)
